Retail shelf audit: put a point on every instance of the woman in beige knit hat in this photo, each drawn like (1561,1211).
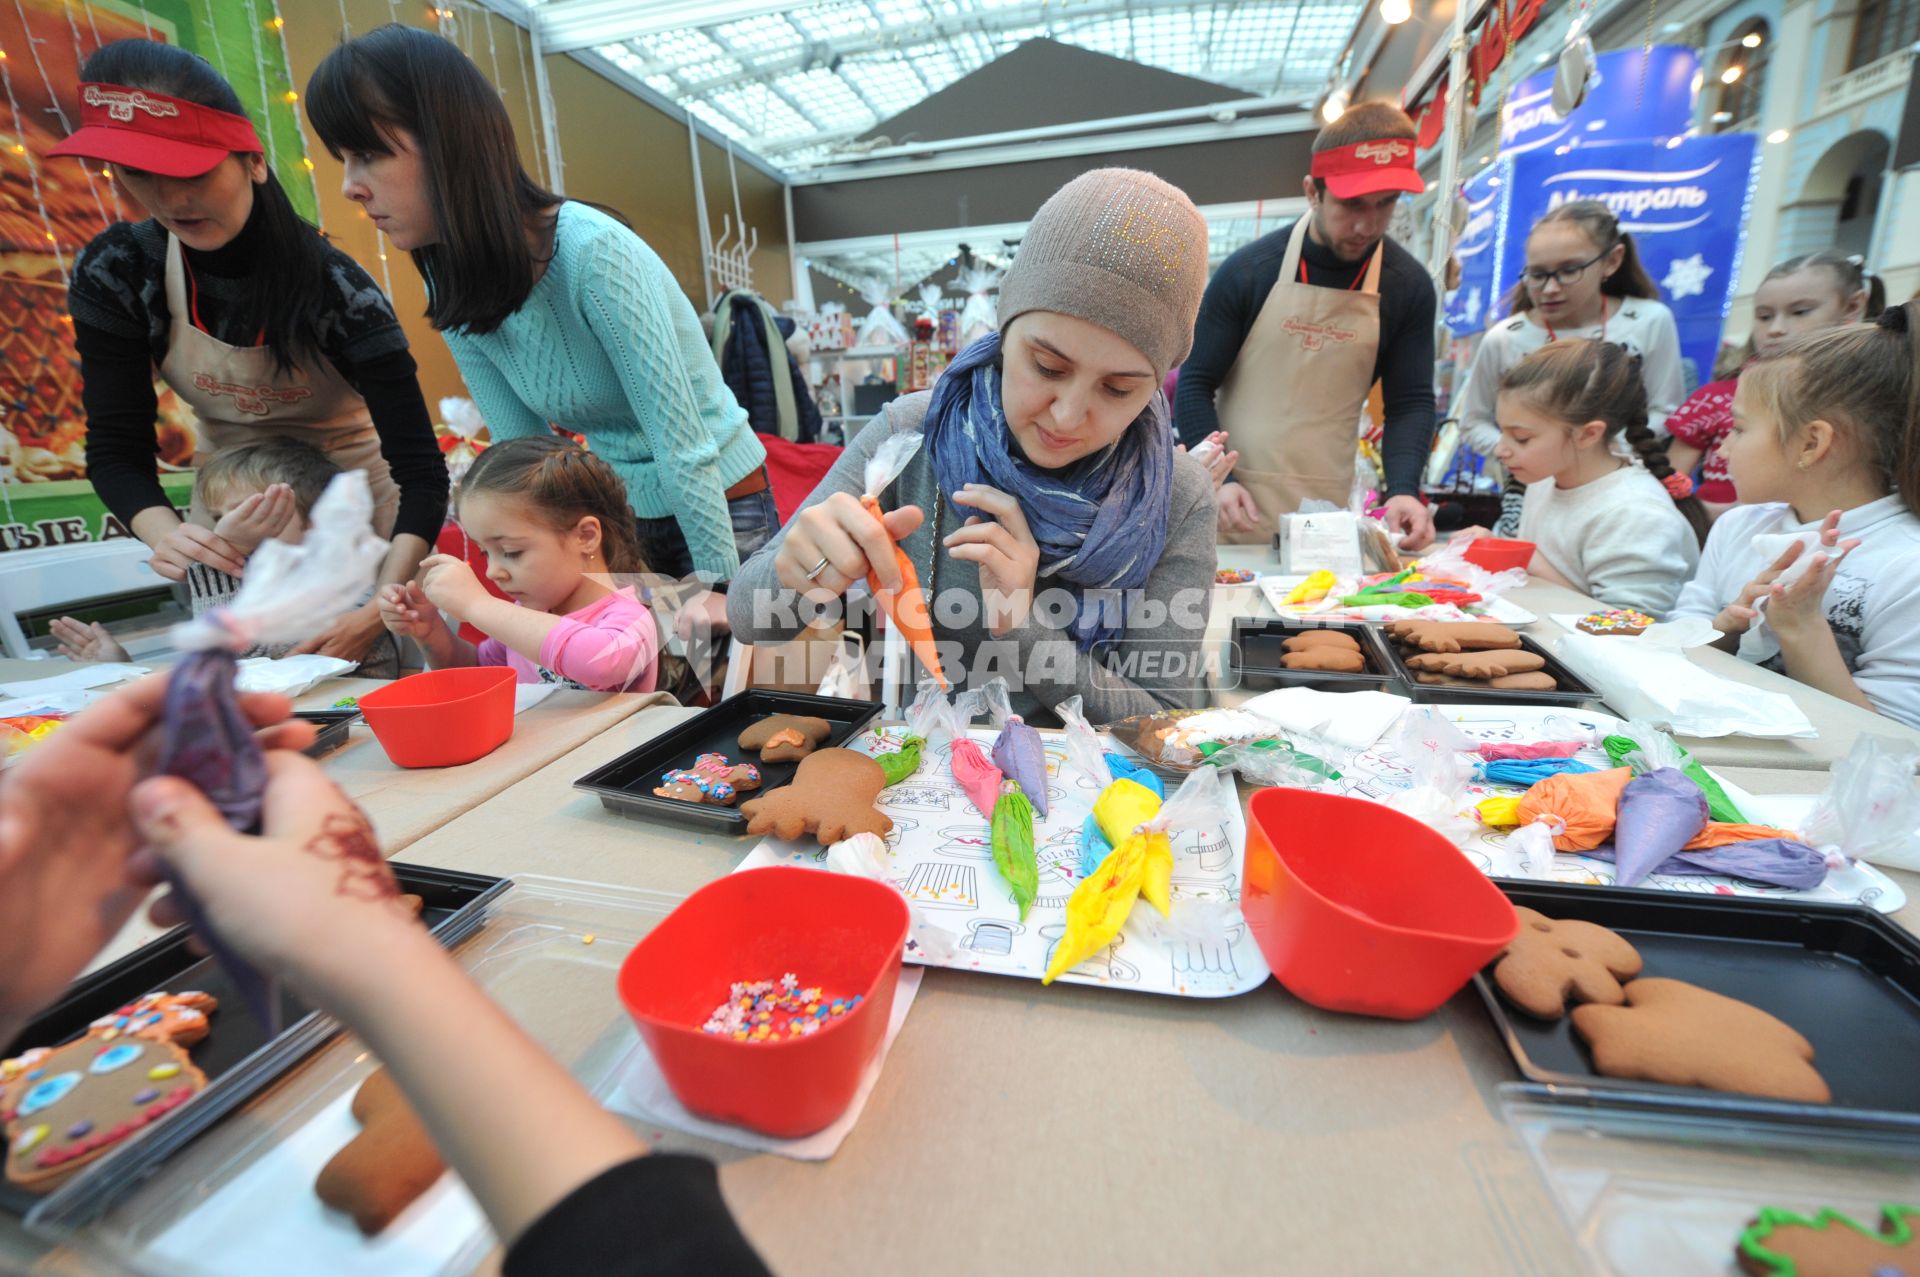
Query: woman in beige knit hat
(1063,542)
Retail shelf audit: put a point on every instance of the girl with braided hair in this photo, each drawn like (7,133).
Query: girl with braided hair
(1604,508)
(553,520)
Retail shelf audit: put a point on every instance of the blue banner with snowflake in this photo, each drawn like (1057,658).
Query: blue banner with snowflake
(1470,306)
(1686,203)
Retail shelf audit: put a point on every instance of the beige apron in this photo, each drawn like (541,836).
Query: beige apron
(1291,403)
(241,397)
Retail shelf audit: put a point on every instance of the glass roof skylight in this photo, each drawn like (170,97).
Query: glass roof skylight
(798,84)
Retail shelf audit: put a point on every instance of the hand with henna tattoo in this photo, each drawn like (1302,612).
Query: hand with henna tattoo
(311,898)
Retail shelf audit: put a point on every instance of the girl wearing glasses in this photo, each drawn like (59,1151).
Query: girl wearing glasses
(1583,279)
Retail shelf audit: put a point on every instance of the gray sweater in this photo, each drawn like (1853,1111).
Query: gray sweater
(1159,653)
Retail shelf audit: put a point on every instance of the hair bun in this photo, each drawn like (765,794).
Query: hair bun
(1893,319)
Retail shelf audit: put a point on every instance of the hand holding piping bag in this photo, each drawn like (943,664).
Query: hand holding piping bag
(907,609)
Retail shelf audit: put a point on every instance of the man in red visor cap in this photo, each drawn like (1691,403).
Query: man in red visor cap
(1297,327)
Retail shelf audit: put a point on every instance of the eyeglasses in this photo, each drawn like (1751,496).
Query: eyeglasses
(1564,276)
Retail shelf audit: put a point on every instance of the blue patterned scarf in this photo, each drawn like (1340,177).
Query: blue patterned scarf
(1101,522)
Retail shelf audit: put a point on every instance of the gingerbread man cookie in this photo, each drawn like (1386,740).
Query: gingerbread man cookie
(831,797)
(65,1107)
(1677,1033)
(1335,660)
(1780,1243)
(1550,960)
(1481,665)
(1453,636)
(387,1165)
(781,738)
(713,778)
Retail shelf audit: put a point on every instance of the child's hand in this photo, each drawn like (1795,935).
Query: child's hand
(451,585)
(1799,607)
(405,612)
(86,642)
(261,517)
(1737,617)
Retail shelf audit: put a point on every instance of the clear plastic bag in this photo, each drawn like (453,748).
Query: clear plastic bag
(1084,750)
(1439,756)
(1871,808)
(868,856)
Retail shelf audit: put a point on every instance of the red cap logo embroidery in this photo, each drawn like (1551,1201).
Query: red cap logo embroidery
(121,104)
(1382,152)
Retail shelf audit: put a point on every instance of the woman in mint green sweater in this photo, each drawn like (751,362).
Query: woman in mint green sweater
(555,312)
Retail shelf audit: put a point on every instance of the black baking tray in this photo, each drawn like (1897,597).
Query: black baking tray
(1847,978)
(1256,652)
(238,1056)
(626,784)
(332,725)
(1573,690)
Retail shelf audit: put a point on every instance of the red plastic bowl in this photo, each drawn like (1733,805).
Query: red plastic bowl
(1361,909)
(842,933)
(442,718)
(1496,554)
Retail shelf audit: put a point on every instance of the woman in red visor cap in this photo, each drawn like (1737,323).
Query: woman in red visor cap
(246,312)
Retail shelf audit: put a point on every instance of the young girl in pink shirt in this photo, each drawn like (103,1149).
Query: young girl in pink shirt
(554,521)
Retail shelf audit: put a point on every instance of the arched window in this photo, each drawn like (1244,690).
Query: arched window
(1743,75)
(1881,27)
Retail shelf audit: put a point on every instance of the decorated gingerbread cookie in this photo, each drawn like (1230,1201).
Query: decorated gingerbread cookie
(66,1106)
(782,738)
(713,778)
(1781,1243)
(1622,620)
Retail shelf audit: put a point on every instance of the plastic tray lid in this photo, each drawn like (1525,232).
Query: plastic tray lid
(238,1201)
(1648,1184)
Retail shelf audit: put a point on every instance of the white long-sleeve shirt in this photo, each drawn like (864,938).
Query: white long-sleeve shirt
(1873,604)
(1618,538)
(1642,326)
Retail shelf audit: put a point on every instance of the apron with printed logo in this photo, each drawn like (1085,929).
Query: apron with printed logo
(1291,403)
(240,397)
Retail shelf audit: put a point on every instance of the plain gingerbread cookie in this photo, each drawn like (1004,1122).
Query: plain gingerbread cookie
(1680,1034)
(1453,636)
(1320,638)
(781,738)
(1781,1243)
(1551,960)
(831,797)
(1477,664)
(1335,660)
(387,1165)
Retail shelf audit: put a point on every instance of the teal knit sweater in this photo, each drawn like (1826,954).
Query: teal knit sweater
(607,346)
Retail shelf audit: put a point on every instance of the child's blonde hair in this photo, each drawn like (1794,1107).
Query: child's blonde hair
(1592,380)
(1860,378)
(254,467)
(564,483)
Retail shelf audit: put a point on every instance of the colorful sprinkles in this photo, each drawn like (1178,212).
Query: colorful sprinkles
(775,1011)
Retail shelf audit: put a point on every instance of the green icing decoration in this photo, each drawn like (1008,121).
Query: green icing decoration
(1013,845)
(1404,598)
(902,762)
(1897,1230)
(1719,806)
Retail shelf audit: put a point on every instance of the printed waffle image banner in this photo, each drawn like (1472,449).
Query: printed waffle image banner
(51,208)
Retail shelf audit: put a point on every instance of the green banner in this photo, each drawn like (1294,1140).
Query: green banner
(34,516)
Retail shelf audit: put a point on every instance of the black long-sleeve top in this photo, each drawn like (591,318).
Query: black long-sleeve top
(656,1216)
(1403,365)
(118,300)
